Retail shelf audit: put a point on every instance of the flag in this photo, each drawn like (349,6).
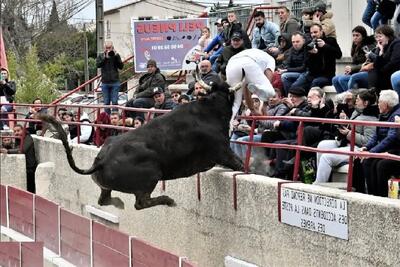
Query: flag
(3,57)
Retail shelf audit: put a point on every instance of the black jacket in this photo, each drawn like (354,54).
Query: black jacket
(296,60)
(386,65)
(236,27)
(8,90)
(109,67)
(323,64)
(147,83)
(29,151)
(222,60)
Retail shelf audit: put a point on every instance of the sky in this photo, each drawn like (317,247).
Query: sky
(89,12)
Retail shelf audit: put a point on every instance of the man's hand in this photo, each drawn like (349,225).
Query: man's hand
(277,124)
(313,51)
(292,111)
(3,151)
(316,17)
(367,67)
(280,71)
(273,50)
(320,43)
(287,102)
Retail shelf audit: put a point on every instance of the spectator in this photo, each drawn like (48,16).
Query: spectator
(384,140)
(257,67)
(138,122)
(60,113)
(101,133)
(369,11)
(29,150)
(72,131)
(6,142)
(216,46)
(199,91)
(306,22)
(229,51)
(324,18)
(366,110)
(183,99)
(109,62)
(285,43)
(144,94)
(235,26)
(387,59)
(321,64)
(206,74)
(160,101)
(383,13)
(361,43)
(295,63)
(86,131)
(288,24)
(175,96)
(115,121)
(34,127)
(275,108)
(205,38)
(265,34)
(7,93)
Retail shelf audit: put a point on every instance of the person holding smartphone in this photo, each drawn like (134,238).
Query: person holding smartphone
(7,93)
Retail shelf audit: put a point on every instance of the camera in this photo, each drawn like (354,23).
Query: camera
(111,53)
(311,45)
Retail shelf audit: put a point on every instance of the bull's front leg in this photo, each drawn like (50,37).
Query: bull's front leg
(230,160)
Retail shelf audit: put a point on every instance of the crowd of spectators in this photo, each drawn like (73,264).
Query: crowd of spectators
(284,67)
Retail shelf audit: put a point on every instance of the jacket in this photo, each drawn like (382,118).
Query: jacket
(29,151)
(236,27)
(269,32)
(364,133)
(8,90)
(290,26)
(296,60)
(386,64)
(385,138)
(358,55)
(147,83)
(109,67)
(223,59)
(324,62)
(277,110)
(86,131)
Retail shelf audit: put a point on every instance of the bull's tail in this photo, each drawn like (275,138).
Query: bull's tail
(64,139)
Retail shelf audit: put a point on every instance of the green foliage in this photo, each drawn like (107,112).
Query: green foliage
(12,64)
(32,82)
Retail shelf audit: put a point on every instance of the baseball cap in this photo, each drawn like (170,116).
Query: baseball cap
(157,90)
(218,22)
(237,35)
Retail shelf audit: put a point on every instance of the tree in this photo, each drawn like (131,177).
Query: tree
(33,83)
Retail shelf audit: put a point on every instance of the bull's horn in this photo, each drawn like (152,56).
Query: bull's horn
(200,80)
(239,85)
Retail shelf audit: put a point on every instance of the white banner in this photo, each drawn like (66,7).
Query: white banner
(313,212)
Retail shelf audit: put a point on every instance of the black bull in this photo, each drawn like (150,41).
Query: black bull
(190,139)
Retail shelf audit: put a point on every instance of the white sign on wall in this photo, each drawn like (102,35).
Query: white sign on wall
(313,212)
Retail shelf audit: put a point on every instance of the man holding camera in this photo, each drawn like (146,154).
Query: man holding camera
(321,64)
(7,92)
(109,62)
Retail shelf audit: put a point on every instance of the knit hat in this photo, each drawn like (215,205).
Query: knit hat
(152,62)
(297,91)
(320,7)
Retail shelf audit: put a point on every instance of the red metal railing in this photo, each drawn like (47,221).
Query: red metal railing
(298,147)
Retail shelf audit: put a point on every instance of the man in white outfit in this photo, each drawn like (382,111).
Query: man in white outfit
(258,68)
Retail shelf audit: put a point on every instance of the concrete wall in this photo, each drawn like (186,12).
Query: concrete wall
(208,230)
(13,170)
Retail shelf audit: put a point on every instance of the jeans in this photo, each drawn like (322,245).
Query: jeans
(110,94)
(239,149)
(139,103)
(321,82)
(395,79)
(288,78)
(5,109)
(302,81)
(358,80)
(378,19)
(369,12)
(341,83)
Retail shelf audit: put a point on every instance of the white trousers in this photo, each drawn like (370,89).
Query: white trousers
(254,79)
(325,161)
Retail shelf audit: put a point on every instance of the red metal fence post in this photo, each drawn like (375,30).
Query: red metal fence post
(298,151)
